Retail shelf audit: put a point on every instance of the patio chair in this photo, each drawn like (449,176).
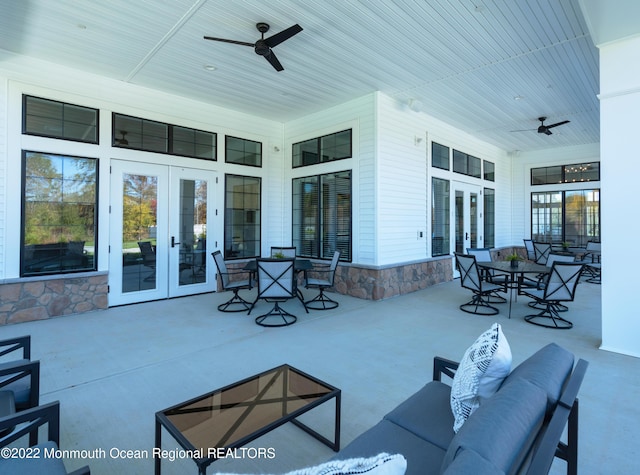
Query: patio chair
(322,278)
(20,376)
(560,287)
(276,283)
(591,260)
(148,258)
(542,251)
(543,277)
(235,303)
(531,253)
(277,251)
(28,422)
(470,279)
(483,254)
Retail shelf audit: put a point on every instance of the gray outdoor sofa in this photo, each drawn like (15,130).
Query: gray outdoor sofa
(517,430)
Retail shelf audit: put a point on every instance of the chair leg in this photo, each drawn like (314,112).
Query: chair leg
(479,306)
(235,304)
(549,318)
(277,311)
(321,302)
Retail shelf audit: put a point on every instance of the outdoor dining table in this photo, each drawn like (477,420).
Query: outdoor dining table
(522,268)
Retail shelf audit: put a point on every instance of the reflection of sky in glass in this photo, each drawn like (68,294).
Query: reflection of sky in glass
(59,178)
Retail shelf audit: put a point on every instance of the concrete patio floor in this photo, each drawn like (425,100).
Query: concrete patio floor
(112,370)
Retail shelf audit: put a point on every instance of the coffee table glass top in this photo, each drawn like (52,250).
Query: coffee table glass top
(236,414)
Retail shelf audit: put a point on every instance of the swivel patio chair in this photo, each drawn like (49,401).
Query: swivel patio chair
(482,290)
(18,425)
(277,251)
(542,279)
(592,262)
(322,278)
(276,283)
(483,254)
(531,253)
(560,287)
(542,251)
(236,303)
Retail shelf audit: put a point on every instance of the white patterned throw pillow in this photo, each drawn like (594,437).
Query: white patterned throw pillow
(381,464)
(482,369)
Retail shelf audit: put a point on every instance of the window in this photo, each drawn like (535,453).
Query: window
(566,216)
(59,120)
(322,215)
(243,152)
(466,164)
(59,214)
(152,136)
(242,217)
(439,156)
(489,171)
(489,217)
(440,217)
(576,173)
(322,149)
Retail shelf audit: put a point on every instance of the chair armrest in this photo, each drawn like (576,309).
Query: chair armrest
(32,419)
(81,471)
(17,370)
(444,366)
(14,344)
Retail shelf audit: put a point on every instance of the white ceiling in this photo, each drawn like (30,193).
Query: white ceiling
(487,67)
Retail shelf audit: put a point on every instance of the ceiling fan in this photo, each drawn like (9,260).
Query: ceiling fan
(263,46)
(544,129)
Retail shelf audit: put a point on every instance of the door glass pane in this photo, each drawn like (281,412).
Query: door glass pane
(192,266)
(473,219)
(440,225)
(459,221)
(139,227)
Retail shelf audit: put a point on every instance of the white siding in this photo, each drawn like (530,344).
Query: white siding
(3,172)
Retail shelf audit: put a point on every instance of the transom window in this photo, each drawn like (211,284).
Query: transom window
(327,148)
(243,151)
(466,164)
(489,170)
(322,215)
(47,118)
(575,173)
(59,214)
(439,156)
(153,136)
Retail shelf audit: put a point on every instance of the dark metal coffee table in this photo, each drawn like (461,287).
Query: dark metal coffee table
(233,416)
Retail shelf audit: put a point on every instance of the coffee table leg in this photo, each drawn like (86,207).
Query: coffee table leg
(335,445)
(158,446)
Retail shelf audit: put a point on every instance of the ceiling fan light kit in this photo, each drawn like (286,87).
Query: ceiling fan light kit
(262,47)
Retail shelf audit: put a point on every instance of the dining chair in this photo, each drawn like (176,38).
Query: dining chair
(559,287)
(483,254)
(553,257)
(592,262)
(322,278)
(276,284)
(542,251)
(531,253)
(470,279)
(236,303)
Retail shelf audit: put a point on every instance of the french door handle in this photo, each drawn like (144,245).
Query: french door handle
(173,241)
(466,237)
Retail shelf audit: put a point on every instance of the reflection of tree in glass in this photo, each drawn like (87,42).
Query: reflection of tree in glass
(139,206)
(60,197)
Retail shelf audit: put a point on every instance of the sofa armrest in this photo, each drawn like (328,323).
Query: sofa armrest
(17,370)
(444,366)
(15,344)
(33,419)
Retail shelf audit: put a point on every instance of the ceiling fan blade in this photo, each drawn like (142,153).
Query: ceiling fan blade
(283,35)
(557,124)
(271,57)
(224,40)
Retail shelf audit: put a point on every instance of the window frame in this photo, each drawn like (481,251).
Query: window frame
(23,217)
(25,115)
(226,151)
(319,150)
(561,172)
(228,246)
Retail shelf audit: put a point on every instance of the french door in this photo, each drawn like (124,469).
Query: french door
(158,232)
(466,219)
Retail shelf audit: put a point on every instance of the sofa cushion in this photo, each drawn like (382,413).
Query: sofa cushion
(423,458)
(381,464)
(548,369)
(503,429)
(427,414)
(482,370)
(469,462)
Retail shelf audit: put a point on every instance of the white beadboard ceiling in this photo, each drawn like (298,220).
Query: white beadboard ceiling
(487,67)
